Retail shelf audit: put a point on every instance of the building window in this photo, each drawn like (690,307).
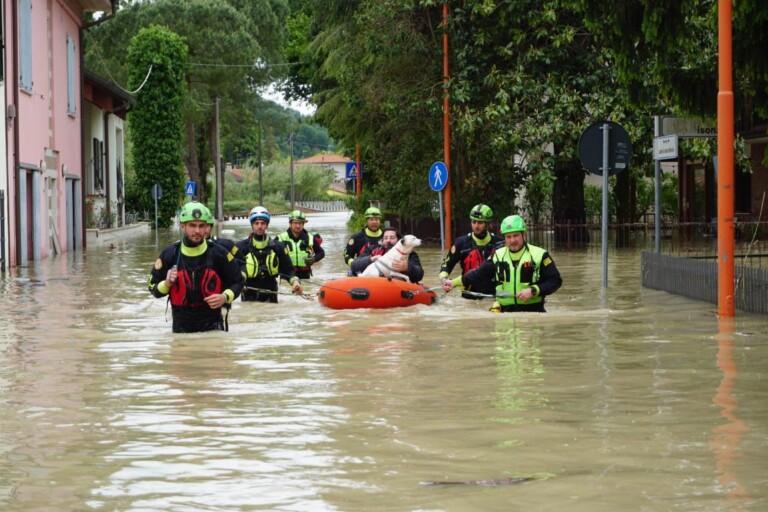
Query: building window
(98,167)
(25,44)
(71,97)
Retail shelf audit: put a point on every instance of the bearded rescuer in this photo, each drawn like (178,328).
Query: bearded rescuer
(304,248)
(369,236)
(263,261)
(199,277)
(524,273)
(472,249)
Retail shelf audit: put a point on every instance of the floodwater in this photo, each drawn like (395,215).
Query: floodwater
(628,399)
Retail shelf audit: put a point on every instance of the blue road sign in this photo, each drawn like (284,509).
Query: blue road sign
(189,189)
(352,172)
(157,191)
(438,176)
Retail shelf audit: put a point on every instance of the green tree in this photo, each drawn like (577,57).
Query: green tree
(232,45)
(674,43)
(157,117)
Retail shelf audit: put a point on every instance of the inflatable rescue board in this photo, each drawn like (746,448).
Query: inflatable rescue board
(372,292)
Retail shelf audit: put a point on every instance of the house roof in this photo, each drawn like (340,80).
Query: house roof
(97,5)
(106,95)
(325,159)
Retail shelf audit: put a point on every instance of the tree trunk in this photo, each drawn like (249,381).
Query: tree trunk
(626,200)
(568,210)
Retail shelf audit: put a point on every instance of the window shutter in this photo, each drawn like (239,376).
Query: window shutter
(25,44)
(71,96)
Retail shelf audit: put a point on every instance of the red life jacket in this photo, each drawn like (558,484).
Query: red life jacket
(195,284)
(379,250)
(473,260)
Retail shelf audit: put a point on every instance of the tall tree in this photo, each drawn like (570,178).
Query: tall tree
(156,118)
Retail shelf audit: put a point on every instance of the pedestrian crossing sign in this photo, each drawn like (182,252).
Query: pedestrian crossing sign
(190,188)
(352,171)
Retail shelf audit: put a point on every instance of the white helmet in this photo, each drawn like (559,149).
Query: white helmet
(259,212)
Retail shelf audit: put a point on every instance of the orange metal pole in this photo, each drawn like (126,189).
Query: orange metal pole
(725,199)
(446,130)
(359,179)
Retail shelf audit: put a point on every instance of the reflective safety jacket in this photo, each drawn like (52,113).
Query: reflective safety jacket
(306,246)
(262,262)
(513,276)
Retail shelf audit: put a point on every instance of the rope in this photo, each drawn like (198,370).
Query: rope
(307,296)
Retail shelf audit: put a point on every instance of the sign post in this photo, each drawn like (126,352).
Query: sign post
(665,147)
(438,179)
(605,149)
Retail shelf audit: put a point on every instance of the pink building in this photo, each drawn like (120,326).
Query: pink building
(42,179)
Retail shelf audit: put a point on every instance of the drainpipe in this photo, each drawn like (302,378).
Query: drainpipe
(83,164)
(14,83)
(105,162)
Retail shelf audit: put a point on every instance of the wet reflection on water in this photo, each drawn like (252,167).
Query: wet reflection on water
(637,399)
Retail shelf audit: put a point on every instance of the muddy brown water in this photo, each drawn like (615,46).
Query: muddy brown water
(623,399)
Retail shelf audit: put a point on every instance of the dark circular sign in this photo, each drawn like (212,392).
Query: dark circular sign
(591,148)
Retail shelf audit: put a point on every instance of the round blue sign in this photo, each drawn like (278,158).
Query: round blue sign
(438,176)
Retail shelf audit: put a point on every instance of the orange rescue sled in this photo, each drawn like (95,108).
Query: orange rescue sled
(372,292)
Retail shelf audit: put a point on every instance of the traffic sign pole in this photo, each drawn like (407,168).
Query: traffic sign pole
(611,142)
(657,192)
(606,141)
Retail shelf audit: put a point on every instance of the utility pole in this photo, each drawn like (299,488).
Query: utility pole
(446,130)
(219,171)
(725,204)
(292,195)
(261,187)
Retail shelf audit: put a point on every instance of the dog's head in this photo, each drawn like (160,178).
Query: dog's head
(409,242)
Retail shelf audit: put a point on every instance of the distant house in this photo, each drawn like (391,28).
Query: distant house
(329,161)
(42,169)
(104,109)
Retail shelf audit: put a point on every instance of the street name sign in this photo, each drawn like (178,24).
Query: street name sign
(665,148)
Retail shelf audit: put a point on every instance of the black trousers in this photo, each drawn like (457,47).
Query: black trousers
(197,320)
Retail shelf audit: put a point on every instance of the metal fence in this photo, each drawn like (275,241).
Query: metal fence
(696,278)
(323,206)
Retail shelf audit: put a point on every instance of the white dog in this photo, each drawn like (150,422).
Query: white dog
(383,265)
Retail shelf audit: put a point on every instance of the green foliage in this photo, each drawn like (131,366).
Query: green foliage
(527,78)
(538,195)
(156,119)
(675,44)
(593,198)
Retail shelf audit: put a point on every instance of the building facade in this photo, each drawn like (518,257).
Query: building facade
(44,183)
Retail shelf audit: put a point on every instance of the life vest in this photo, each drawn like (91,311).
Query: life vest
(371,239)
(513,277)
(476,254)
(379,250)
(194,284)
(299,250)
(261,263)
